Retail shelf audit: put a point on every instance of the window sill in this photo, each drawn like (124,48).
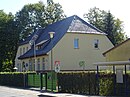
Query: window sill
(96,49)
(76,48)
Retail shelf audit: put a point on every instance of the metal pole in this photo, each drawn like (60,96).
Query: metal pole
(41,81)
(35,55)
(98,78)
(51,36)
(114,80)
(51,68)
(125,82)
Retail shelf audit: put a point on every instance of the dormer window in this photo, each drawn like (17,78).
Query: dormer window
(26,48)
(23,50)
(20,51)
(40,44)
(38,47)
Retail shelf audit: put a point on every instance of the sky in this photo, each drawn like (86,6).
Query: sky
(119,8)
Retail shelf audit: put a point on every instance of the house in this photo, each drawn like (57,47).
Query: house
(76,45)
(121,52)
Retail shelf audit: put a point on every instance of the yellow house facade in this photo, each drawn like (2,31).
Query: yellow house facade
(74,41)
(120,52)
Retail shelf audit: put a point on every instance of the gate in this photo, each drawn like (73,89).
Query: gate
(36,80)
(42,81)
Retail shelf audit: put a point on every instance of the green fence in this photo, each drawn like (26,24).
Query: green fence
(72,82)
(34,80)
(49,80)
(42,80)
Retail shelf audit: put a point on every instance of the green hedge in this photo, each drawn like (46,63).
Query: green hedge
(14,79)
(79,82)
(106,84)
(86,83)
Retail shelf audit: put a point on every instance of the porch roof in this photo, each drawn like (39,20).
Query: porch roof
(112,63)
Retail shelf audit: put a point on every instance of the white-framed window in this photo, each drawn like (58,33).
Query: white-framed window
(38,64)
(76,43)
(96,43)
(26,49)
(20,51)
(23,50)
(30,65)
(43,64)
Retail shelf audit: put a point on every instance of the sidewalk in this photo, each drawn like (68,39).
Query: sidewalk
(16,92)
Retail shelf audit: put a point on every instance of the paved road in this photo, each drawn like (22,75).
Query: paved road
(15,92)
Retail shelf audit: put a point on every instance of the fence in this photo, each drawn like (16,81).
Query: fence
(72,82)
(41,80)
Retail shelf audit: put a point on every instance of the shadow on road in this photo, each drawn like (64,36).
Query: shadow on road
(41,95)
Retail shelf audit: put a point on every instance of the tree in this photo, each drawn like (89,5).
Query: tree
(95,17)
(38,15)
(119,29)
(106,22)
(109,27)
(8,41)
(26,21)
(114,28)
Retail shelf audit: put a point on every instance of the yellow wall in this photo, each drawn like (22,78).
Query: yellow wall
(21,50)
(120,53)
(19,63)
(69,57)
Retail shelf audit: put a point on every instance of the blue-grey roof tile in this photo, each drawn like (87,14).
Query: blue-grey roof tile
(60,28)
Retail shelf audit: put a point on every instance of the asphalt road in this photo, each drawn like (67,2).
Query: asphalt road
(16,92)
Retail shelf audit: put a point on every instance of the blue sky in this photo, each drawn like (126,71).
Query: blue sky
(119,8)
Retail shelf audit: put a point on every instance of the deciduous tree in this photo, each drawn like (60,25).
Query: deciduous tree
(8,41)
(38,15)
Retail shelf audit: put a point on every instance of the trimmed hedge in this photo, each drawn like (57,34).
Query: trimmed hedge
(77,82)
(86,83)
(14,79)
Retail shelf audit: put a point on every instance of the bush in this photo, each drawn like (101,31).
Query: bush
(77,82)
(86,83)
(106,84)
(12,79)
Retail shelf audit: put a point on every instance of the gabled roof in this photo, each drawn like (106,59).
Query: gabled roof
(116,46)
(70,24)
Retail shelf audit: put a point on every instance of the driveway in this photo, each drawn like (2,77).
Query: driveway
(16,92)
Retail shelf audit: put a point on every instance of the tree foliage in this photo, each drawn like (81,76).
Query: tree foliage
(38,15)
(20,26)
(8,40)
(106,22)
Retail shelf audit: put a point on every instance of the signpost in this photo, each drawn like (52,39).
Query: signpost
(82,64)
(57,66)
(119,75)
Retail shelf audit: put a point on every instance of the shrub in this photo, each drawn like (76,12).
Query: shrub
(12,79)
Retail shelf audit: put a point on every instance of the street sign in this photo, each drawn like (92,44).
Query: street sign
(119,75)
(57,66)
